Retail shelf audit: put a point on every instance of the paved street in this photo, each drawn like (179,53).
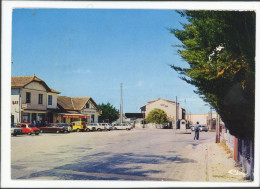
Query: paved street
(139,154)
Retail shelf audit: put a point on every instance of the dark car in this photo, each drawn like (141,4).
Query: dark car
(54,128)
(16,131)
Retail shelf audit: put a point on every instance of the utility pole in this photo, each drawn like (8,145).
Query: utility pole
(176,114)
(121,106)
(210,121)
(185,109)
(217,129)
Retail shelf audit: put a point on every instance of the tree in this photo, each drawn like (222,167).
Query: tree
(156,116)
(219,47)
(109,113)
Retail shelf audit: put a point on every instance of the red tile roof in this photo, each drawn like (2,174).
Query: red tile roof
(74,103)
(22,81)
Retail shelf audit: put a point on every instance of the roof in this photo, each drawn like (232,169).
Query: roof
(22,81)
(74,103)
(152,101)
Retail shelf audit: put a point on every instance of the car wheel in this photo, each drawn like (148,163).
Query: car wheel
(115,128)
(87,130)
(77,130)
(57,131)
(14,134)
(99,129)
(36,133)
(41,131)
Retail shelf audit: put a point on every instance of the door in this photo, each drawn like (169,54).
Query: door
(34,118)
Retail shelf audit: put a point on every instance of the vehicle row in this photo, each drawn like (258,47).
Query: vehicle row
(201,128)
(78,126)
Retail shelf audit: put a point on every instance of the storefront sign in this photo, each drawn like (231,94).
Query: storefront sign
(15,102)
(24,106)
(76,116)
(88,112)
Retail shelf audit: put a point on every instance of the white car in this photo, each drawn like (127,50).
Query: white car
(123,126)
(96,127)
(107,126)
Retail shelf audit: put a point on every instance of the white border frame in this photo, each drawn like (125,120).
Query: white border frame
(7,8)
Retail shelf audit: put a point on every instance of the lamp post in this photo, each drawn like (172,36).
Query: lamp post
(143,118)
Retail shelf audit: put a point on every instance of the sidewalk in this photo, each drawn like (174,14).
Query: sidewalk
(221,166)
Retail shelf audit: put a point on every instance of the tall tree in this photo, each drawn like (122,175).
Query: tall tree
(156,116)
(219,47)
(109,113)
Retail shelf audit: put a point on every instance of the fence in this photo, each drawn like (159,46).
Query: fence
(242,151)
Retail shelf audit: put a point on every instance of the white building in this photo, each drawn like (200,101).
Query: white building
(32,99)
(168,106)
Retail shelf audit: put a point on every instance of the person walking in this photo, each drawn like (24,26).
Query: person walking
(197,131)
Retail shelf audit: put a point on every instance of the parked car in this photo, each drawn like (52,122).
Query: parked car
(16,131)
(96,127)
(28,128)
(54,128)
(204,128)
(61,125)
(123,126)
(79,126)
(66,125)
(107,126)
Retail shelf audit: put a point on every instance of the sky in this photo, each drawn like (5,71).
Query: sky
(89,52)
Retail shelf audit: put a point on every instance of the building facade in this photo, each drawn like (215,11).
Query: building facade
(32,100)
(168,106)
(77,109)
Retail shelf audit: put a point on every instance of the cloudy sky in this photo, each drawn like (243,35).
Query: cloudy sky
(83,52)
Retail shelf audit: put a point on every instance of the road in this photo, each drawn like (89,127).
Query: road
(139,154)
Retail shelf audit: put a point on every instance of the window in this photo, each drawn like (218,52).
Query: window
(26,117)
(87,105)
(49,99)
(28,97)
(40,98)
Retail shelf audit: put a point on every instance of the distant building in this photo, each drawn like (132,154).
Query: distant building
(168,106)
(77,109)
(32,100)
(203,119)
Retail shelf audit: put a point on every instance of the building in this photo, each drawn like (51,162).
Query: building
(203,119)
(168,106)
(32,100)
(77,109)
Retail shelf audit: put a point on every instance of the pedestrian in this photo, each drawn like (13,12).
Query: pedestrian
(197,131)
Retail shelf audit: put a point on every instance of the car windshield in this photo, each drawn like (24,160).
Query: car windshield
(31,126)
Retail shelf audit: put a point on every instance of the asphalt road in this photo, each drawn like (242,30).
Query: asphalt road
(139,154)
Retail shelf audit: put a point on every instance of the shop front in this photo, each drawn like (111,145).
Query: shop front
(32,116)
(68,118)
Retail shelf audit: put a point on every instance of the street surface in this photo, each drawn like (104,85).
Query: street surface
(138,154)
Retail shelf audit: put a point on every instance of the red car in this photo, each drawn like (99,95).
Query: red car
(28,128)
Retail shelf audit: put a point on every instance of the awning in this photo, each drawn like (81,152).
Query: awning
(36,111)
(75,116)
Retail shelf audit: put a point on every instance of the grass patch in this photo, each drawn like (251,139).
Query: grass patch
(226,148)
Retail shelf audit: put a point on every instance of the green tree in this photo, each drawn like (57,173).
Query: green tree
(156,116)
(109,113)
(219,47)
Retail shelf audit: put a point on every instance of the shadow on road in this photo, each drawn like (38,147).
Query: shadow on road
(111,166)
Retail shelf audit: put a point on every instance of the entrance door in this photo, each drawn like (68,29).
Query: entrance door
(33,118)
